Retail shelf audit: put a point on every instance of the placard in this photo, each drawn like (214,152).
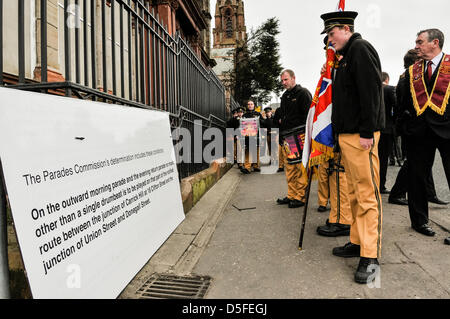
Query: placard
(93,189)
(249,127)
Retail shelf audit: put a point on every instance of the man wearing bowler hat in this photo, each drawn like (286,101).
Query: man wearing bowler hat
(357,118)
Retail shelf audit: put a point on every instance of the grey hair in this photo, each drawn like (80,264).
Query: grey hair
(434,34)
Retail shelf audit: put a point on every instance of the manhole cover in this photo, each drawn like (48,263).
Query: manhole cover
(174,287)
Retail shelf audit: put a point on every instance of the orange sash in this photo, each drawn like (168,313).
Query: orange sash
(440,94)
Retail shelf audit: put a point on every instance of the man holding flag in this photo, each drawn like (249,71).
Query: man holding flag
(357,118)
(319,150)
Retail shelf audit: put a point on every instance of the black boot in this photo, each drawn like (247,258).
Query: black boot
(296,204)
(368,268)
(334,230)
(322,209)
(347,251)
(283,201)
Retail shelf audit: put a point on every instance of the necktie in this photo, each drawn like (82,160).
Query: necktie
(429,70)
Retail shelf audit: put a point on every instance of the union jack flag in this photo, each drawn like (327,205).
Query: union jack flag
(319,140)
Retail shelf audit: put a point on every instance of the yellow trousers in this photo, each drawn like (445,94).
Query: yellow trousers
(363,177)
(280,157)
(323,192)
(341,212)
(250,160)
(296,180)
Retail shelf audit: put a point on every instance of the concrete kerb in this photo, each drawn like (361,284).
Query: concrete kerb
(182,250)
(194,187)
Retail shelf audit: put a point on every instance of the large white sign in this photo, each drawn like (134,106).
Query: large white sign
(93,189)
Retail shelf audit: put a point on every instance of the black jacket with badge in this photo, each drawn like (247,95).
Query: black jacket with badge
(293,112)
(358,99)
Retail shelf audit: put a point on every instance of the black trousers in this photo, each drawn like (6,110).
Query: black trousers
(384,150)
(400,188)
(420,153)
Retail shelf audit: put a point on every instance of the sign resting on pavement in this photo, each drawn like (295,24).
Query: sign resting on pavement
(93,189)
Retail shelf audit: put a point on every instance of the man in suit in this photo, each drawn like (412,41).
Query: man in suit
(426,122)
(387,134)
(399,190)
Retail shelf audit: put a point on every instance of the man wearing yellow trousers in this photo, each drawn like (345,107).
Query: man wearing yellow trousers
(340,219)
(295,103)
(323,191)
(358,116)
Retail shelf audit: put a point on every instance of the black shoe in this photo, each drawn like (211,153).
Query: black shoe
(385,191)
(257,170)
(425,230)
(398,201)
(347,251)
(283,201)
(368,268)
(281,169)
(391,162)
(334,230)
(447,241)
(436,200)
(245,171)
(322,209)
(296,204)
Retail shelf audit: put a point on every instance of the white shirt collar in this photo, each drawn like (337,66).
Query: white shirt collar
(437,59)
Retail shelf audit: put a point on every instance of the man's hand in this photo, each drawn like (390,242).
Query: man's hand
(366,143)
(324,69)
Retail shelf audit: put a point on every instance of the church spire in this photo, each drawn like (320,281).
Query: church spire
(230,26)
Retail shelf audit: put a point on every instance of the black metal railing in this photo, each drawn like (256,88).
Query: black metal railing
(119,51)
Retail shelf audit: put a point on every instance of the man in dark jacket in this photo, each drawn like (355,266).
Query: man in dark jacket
(399,190)
(268,124)
(357,119)
(295,103)
(426,122)
(387,134)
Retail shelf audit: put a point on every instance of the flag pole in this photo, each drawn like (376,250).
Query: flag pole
(305,210)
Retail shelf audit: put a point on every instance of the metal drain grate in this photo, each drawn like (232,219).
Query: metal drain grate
(174,287)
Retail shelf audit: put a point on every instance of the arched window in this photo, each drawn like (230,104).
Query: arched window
(228,23)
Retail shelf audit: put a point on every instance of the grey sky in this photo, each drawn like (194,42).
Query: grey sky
(390,25)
